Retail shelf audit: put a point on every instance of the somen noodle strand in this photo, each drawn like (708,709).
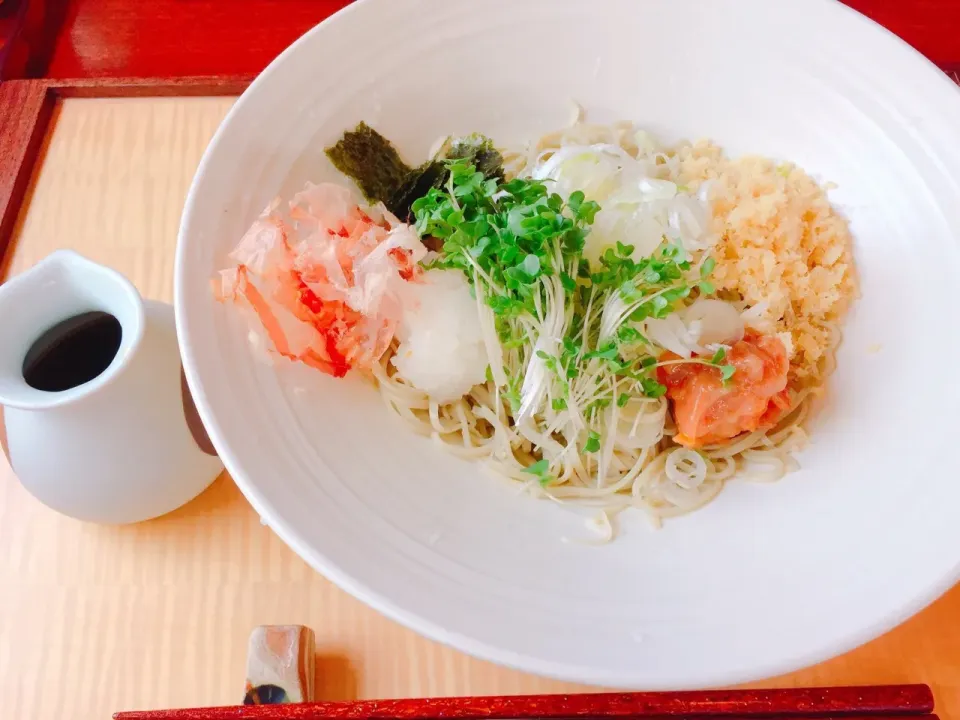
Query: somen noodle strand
(637,463)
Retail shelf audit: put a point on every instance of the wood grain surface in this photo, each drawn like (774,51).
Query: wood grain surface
(26,105)
(25,109)
(97,619)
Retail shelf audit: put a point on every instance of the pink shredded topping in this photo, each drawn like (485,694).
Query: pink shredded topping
(324,279)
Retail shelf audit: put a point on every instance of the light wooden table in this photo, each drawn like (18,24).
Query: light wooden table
(97,619)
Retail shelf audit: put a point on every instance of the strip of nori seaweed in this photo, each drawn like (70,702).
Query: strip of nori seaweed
(479,150)
(431,174)
(371,161)
(476,148)
(368,158)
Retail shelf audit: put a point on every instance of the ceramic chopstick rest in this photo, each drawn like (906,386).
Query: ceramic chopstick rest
(99,421)
(280,665)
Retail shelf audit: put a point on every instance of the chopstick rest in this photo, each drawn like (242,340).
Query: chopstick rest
(280,665)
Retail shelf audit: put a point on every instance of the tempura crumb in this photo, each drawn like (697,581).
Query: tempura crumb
(782,248)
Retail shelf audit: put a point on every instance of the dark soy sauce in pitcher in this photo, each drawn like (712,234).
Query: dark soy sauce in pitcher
(72,352)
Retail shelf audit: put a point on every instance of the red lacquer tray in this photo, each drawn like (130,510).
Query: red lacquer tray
(852,703)
(129,48)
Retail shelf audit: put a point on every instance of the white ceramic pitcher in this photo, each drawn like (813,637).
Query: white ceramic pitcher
(126,444)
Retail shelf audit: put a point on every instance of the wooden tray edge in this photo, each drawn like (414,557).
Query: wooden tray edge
(26,108)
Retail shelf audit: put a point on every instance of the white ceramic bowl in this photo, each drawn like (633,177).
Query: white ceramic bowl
(767,578)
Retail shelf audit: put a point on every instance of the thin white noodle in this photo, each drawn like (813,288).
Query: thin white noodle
(632,467)
(474,428)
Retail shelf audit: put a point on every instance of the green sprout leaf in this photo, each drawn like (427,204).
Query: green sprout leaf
(538,468)
(593,442)
(708,265)
(652,388)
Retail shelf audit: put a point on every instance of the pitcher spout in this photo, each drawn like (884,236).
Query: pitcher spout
(65,302)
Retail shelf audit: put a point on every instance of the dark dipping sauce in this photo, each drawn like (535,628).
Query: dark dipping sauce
(72,352)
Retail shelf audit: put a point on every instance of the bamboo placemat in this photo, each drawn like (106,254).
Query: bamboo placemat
(95,619)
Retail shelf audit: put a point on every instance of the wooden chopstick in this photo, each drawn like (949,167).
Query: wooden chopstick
(849,703)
